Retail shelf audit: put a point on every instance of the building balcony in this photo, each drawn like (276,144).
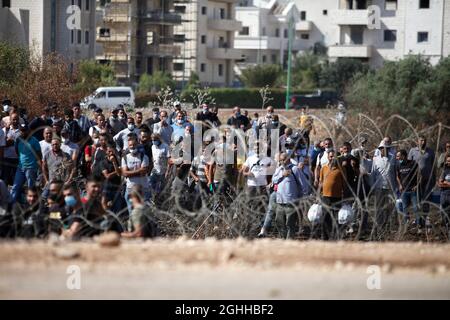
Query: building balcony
(160,17)
(113,38)
(223,54)
(113,57)
(351,17)
(110,17)
(303,26)
(350,51)
(163,50)
(224,24)
(263,43)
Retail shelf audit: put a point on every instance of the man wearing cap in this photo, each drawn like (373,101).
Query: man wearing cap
(173,115)
(30,157)
(384,182)
(83,122)
(38,124)
(116,124)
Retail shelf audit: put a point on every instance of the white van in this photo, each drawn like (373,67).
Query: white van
(110,97)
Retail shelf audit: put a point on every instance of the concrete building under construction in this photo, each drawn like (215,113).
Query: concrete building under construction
(136,37)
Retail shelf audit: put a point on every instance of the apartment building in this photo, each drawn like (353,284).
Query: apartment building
(136,37)
(207,41)
(349,28)
(50,26)
(265,31)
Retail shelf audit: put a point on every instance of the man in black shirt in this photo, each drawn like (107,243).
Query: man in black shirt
(407,179)
(237,120)
(208,119)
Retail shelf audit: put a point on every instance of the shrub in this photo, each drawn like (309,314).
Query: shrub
(261,75)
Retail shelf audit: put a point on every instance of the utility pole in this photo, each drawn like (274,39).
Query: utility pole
(288,84)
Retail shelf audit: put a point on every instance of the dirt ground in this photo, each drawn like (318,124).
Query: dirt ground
(227,269)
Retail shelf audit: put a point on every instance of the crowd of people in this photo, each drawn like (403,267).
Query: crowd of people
(78,176)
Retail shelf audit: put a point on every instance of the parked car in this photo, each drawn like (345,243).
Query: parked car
(319,99)
(110,97)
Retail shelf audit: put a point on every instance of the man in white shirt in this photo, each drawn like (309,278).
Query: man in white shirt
(121,139)
(135,165)
(68,146)
(161,155)
(257,168)
(10,158)
(46,144)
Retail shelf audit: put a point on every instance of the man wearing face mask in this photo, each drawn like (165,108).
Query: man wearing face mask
(161,156)
(121,139)
(99,155)
(115,123)
(163,128)
(208,119)
(173,115)
(322,159)
(38,124)
(266,121)
(287,177)
(282,141)
(135,167)
(145,145)
(237,120)
(179,126)
(68,146)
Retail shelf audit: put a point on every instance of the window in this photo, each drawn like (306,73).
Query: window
(118,94)
(88,5)
(203,39)
(86,37)
(104,32)
(304,36)
(79,36)
(204,10)
(422,37)
(302,15)
(180,9)
(150,38)
(178,66)
(264,59)
(277,32)
(220,70)
(325,12)
(222,13)
(274,58)
(390,35)
(391,5)
(424,4)
(245,31)
(79,4)
(202,67)
(179,38)
(72,36)
(6,4)
(286,33)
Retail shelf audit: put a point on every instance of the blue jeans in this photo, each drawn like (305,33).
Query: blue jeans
(409,197)
(270,210)
(156,182)
(22,175)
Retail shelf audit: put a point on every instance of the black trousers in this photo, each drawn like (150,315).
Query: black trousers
(330,228)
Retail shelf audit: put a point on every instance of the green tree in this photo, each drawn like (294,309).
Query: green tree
(306,70)
(13,61)
(337,74)
(155,82)
(193,82)
(93,75)
(261,75)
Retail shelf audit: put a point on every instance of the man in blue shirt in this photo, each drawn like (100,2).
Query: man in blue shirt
(289,190)
(29,151)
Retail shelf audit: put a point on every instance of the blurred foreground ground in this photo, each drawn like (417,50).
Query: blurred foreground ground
(231,269)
